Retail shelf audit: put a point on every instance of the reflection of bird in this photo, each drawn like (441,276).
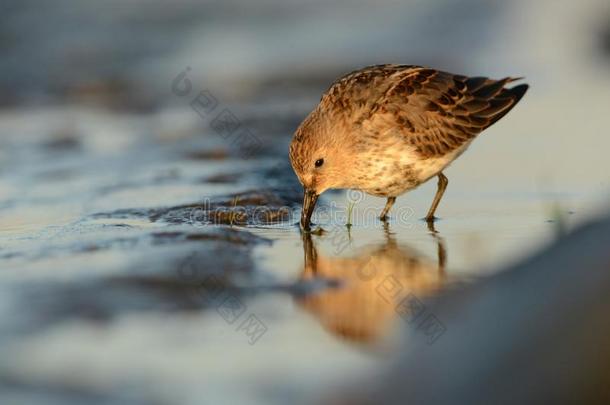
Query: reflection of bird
(387,129)
(373,285)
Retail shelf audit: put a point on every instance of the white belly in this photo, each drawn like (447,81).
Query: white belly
(407,171)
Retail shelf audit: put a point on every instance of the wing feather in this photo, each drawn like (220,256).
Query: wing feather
(438,112)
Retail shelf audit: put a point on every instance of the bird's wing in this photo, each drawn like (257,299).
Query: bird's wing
(437,112)
(355,95)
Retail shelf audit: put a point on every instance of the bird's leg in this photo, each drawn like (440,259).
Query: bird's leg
(386,209)
(442,185)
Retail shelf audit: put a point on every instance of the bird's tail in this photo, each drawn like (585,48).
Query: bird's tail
(510,95)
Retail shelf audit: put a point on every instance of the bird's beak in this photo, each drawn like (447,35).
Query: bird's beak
(309,203)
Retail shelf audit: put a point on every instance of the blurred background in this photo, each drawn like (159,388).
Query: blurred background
(131,50)
(106,168)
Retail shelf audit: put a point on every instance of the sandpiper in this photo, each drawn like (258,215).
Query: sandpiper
(386,129)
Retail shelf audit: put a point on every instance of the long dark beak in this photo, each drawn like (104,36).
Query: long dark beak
(309,203)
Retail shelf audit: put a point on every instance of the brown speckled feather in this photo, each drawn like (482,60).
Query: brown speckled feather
(437,112)
(386,129)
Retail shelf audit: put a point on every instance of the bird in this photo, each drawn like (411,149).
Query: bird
(386,129)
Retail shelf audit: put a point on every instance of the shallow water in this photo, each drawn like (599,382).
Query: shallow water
(116,276)
(137,265)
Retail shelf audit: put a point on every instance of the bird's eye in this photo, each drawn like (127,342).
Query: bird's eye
(319,162)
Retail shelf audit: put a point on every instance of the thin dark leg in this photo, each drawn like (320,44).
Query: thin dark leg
(442,185)
(386,209)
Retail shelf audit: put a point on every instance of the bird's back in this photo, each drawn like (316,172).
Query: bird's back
(436,112)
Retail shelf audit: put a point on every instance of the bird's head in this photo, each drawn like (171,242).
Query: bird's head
(318,155)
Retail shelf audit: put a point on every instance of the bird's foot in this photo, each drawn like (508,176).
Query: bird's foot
(431,218)
(430,222)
